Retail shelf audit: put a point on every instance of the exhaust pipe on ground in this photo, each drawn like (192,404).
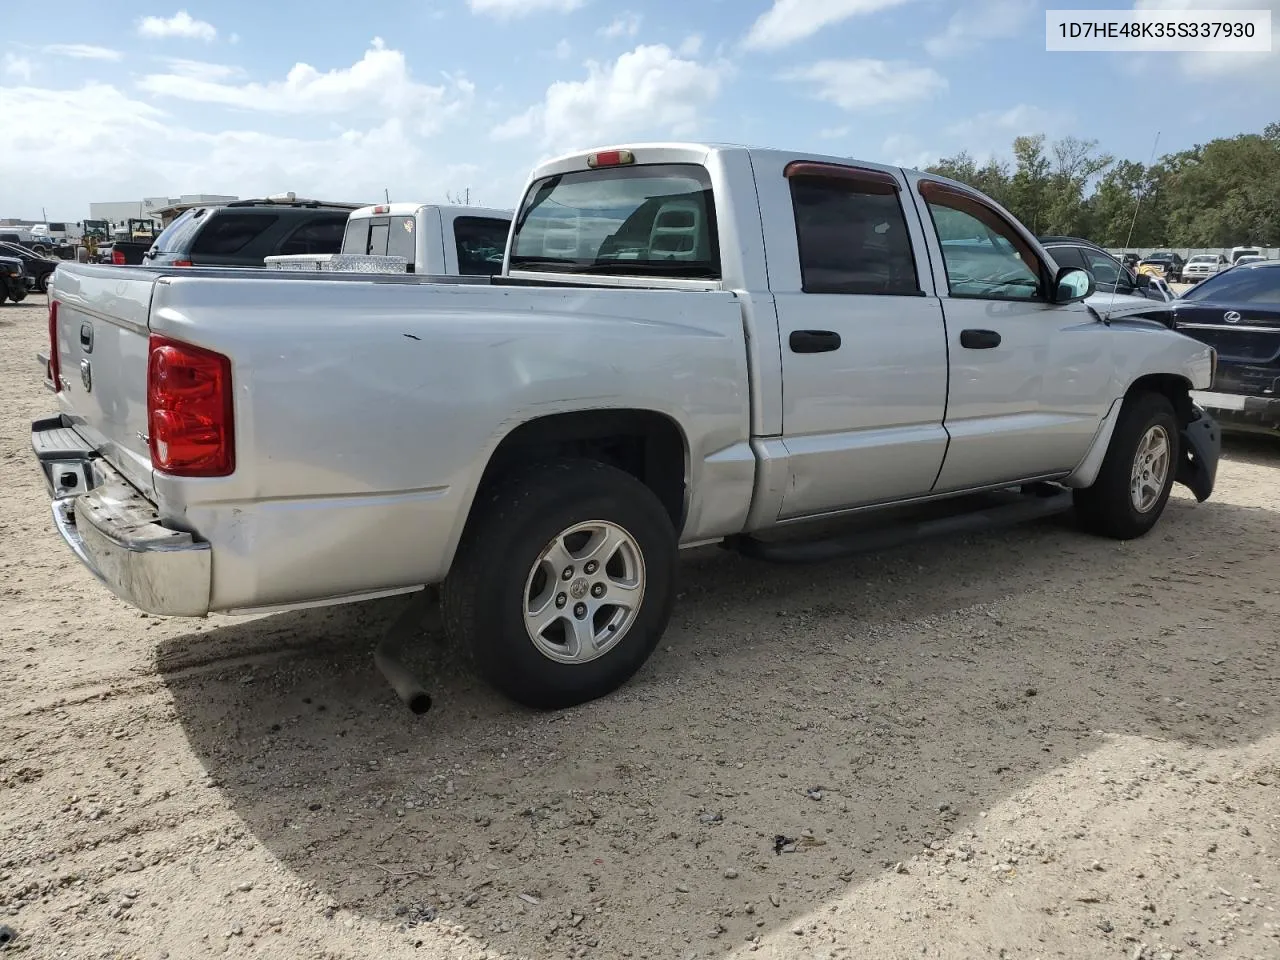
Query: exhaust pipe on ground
(386,657)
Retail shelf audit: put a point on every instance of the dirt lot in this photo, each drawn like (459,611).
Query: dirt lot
(1032,744)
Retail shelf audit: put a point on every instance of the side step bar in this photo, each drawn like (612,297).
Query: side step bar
(1035,503)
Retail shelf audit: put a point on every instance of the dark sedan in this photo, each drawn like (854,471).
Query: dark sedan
(39,269)
(1237,312)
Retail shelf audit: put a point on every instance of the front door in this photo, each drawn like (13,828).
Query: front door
(1029,379)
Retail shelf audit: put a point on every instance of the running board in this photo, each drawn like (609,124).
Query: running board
(1033,504)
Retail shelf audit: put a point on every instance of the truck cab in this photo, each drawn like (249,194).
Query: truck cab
(433,239)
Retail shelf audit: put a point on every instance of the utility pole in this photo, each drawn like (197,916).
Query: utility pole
(386,194)
(467,202)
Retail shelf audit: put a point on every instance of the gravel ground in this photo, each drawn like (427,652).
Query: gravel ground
(1028,744)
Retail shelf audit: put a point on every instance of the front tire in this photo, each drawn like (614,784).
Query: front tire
(1138,472)
(564,582)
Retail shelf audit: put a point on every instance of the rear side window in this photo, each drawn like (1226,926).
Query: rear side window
(321,235)
(481,243)
(356,239)
(1068,257)
(176,237)
(852,236)
(653,220)
(229,233)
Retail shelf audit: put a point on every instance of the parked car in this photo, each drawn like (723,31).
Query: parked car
(1119,285)
(424,238)
(1163,264)
(1130,260)
(686,344)
(38,269)
(1247,251)
(13,280)
(1250,258)
(1237,312)
(244,233)
(1203,265)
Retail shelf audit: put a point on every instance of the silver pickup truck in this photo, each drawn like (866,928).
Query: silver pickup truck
(687,343)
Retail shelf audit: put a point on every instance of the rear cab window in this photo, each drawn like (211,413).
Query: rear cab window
(647,220)
(381,237)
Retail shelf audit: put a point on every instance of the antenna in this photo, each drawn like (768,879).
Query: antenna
(1132,225)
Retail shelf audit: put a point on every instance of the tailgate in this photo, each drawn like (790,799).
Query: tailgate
(102,333)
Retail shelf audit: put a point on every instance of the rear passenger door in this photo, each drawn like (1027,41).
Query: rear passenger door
(864,353)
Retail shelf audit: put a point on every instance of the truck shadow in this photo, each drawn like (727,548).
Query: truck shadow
(914,688)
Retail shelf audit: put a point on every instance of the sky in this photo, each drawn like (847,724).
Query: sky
(426,99)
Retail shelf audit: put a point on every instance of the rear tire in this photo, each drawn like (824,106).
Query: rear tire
(1138,472)
(543,623)
(43,283)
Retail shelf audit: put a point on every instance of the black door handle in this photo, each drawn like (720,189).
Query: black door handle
(86,336)
(979,339)
(814,341)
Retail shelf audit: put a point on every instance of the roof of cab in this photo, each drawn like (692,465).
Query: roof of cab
(410,209)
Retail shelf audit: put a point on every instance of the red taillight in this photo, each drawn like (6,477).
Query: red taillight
(117,257)
(55,364)
(190,415)
(181,263)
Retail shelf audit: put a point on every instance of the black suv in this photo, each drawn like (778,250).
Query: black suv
(1110,274)
(244,233)
(13,280)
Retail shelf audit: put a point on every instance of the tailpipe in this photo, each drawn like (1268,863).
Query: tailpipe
(386,657)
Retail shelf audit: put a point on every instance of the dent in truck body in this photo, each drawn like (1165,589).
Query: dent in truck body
(419,419)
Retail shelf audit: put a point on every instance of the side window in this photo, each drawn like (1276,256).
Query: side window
(402,238)
(985,257)
(1104,269)
(481,243)
(320,235)
(229,233)
(852,237)
(1068,257)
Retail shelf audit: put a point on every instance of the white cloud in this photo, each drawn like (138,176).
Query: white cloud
(647,91)
(834,133)
(691,45)
(82,51)
(866,84)
(202,70)
(139,151)
(16,66)
(564,50)
(513,9)
(1208,65)
(790,20)
(626,25)
(986,20)
(904,150)
(181,24)
(379,81)
(1003,125)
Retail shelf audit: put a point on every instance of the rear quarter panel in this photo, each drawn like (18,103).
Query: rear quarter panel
(366,413)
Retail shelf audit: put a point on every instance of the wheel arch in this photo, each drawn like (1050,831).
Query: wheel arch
(648,444)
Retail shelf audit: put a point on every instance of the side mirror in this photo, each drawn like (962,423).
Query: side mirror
(1073,285)
(1143,281)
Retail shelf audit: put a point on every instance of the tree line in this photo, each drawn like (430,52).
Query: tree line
(1219,194)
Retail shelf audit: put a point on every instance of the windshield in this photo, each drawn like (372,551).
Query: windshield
(1158,256)
(1203,259)
(1252,285)
(650,221)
